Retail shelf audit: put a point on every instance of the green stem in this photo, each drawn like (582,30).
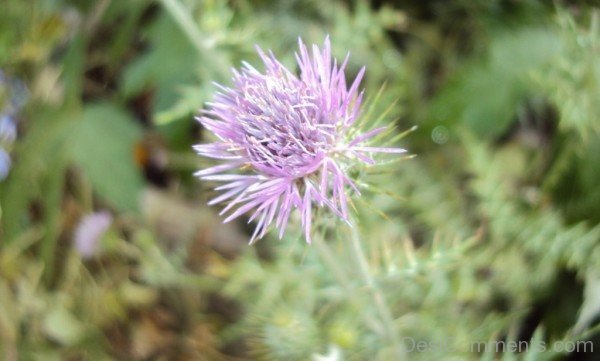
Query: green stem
(381,305)
(182,17)
(332,264)
(385,324)
(52,210)
(340,275)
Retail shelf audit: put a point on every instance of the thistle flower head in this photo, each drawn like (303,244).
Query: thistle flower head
(288,139)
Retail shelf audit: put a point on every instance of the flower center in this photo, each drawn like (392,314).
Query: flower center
(283,125)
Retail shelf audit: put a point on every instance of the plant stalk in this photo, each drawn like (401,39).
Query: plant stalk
(381,305)
(385,324)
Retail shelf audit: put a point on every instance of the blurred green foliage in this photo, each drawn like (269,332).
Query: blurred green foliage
(491,233)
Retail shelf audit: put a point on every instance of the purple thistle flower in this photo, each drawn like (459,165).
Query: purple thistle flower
(90,231)
(293,137)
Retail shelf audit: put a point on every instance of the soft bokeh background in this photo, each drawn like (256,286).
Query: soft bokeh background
(492,233)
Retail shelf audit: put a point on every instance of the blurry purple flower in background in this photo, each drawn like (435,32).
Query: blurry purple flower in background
(13,95)
(293,137)
(8,133)
(4,164)
(8,129)
(90,231)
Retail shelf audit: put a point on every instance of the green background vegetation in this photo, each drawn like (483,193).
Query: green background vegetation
(491,233)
